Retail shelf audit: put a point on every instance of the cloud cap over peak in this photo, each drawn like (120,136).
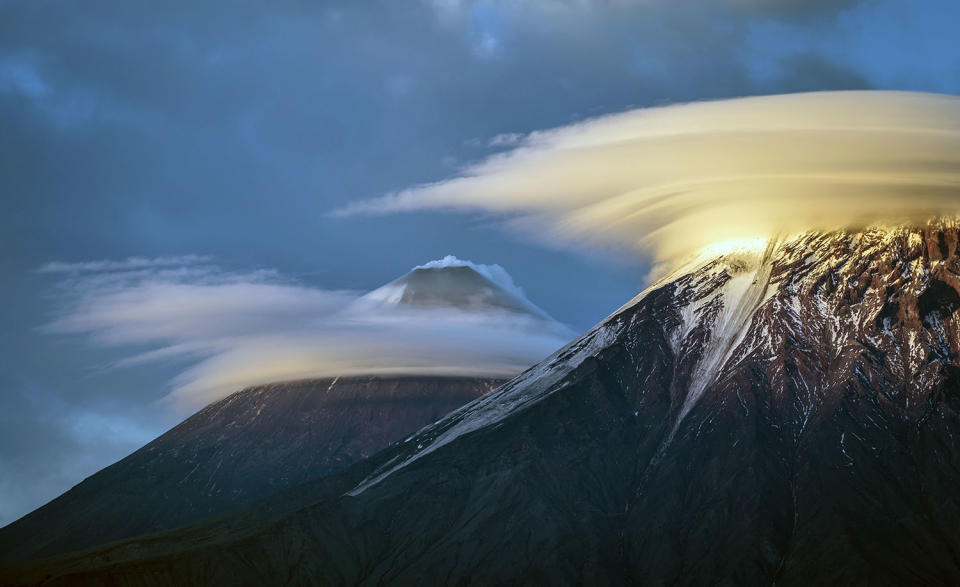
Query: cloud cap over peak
(674,179)
(234,329)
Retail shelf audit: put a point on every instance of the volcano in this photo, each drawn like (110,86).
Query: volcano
(247,446)
(779,415)
(454,283)
(266,438)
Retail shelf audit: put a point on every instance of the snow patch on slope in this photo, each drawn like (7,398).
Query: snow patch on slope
(740,297)
(527,389)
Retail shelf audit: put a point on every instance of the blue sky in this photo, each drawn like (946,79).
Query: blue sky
(231,130)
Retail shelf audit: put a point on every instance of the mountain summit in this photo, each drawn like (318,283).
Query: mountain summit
(269,437)
(455,283)
(783,415)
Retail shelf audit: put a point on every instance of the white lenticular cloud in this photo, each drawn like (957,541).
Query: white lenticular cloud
(674,179)
(232,330)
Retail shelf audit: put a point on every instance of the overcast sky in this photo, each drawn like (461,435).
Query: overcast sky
(228,131)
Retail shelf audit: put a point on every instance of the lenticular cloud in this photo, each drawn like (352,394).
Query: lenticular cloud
(230,330)
(674,179)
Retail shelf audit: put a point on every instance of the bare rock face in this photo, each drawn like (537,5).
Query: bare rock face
(245,447)
(789,416)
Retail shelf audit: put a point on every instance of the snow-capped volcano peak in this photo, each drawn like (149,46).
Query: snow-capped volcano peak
(454,283)
(453,317)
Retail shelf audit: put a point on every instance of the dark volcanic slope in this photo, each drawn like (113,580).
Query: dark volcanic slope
(783,417)
(249,445)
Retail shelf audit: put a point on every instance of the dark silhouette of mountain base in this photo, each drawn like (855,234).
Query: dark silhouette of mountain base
(788,416)
(242,448)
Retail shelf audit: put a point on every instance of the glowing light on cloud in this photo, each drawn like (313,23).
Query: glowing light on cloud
(672,180)
(232,330)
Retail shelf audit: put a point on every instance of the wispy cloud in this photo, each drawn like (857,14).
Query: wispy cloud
(123,265)
(674,179)
(234,329)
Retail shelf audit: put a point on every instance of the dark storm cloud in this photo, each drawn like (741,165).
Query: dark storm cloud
(800,11)
(810,72)
(137,114)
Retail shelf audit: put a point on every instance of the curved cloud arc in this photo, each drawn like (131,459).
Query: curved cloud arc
(230,330)
(671,180)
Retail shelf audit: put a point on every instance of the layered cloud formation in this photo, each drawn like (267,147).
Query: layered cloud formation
(235,329)
(674,179)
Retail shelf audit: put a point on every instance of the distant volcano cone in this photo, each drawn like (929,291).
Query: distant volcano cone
(452,283)
(267,438)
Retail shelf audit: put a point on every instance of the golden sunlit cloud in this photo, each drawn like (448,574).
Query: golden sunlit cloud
(671,180)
